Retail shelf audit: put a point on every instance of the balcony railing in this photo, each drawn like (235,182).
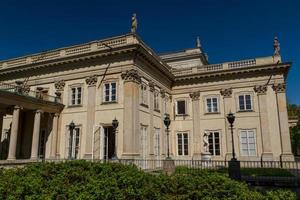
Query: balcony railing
(26,92)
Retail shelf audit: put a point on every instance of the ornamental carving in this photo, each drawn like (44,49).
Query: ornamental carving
(195,96)
(131,75)
(226,93)
(162,93)
(151,86)
(261,89)
(280,87)
(91,81)
(59,85)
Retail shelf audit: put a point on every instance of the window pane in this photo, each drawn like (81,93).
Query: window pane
(241,102)
(215,105)
(248,102)
(179,136)
(208,103)
(181,107)
(186,145)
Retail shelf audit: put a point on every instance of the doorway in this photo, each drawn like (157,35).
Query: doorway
(109,142)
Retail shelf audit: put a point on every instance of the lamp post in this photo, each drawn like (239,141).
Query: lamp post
(231,118)
(115,124)
(234,164)
(167,123)
(71,128)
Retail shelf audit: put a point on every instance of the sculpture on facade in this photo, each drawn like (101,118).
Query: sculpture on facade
(134,23)
(205,142)
(276,46)
(198,44)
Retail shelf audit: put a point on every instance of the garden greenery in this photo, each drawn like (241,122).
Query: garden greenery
(87,180)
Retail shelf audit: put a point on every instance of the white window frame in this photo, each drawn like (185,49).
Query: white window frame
(214,141)
(212,106)
(186,107)
(76,95)
(181,134)
(110,92)
(244,99)
(247,131)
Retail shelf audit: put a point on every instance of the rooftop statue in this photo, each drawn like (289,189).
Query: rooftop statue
(134,23)
(276,46)
(198,44)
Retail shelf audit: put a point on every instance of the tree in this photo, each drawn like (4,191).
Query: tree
(294,112)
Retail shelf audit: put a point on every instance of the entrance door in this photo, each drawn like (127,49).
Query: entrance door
(109,142)
(42,144)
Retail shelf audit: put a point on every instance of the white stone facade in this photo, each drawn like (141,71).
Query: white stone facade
(123,78)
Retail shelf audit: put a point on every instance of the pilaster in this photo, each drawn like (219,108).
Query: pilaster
(151,126)
(196,135)
(91,82)
(261,91)
(228,106)
(131,136)
(286,154)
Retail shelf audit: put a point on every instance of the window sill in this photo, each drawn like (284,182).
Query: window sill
(74,106)
(242,111)
(181,115)
(109,102)
(144,105)
(212,113)
(157,110)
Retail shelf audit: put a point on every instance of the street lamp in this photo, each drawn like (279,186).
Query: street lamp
(167,123)
(231,118)
(115,124)
(71,128)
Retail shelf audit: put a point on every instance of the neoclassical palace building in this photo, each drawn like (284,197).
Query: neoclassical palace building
(123,78)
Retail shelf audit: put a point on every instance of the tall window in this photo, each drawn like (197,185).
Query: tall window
(181,107)
(248,146)
(157,142)
(156,100)
(214,143)
(212,105)
(110,92)
(143,141)
(144,94)
(183,145)
(76,96)
(73,146)
(245,103)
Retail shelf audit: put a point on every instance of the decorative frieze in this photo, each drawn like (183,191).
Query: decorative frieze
(91,80)
(131,75)
(261,89)
(195,96)
(280,87)
(59,85)
(226,93)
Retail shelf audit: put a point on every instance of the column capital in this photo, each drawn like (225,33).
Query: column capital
(151,86)
(261,89)
(162,93)
(279,88)
(226,93)
(91,80)
(131,75)
(195,95)
(17,107)
(39,111)
(59,85)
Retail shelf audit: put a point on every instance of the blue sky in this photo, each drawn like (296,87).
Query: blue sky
(229,30)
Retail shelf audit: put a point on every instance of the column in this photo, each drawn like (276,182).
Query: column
(196,136)
(261,91)
(286,154)
(162,129)
(59,86)
(131,135)
(36,135)
(14,134)
(228,107)
(91,82)
(1,131)
(150,138)
(54,136)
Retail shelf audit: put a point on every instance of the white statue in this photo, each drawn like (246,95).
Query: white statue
(276,46)
(134,23)
(205,142)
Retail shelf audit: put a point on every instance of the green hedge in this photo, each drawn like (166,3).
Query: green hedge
(86,180)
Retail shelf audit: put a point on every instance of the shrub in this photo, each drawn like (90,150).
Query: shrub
(86,180)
